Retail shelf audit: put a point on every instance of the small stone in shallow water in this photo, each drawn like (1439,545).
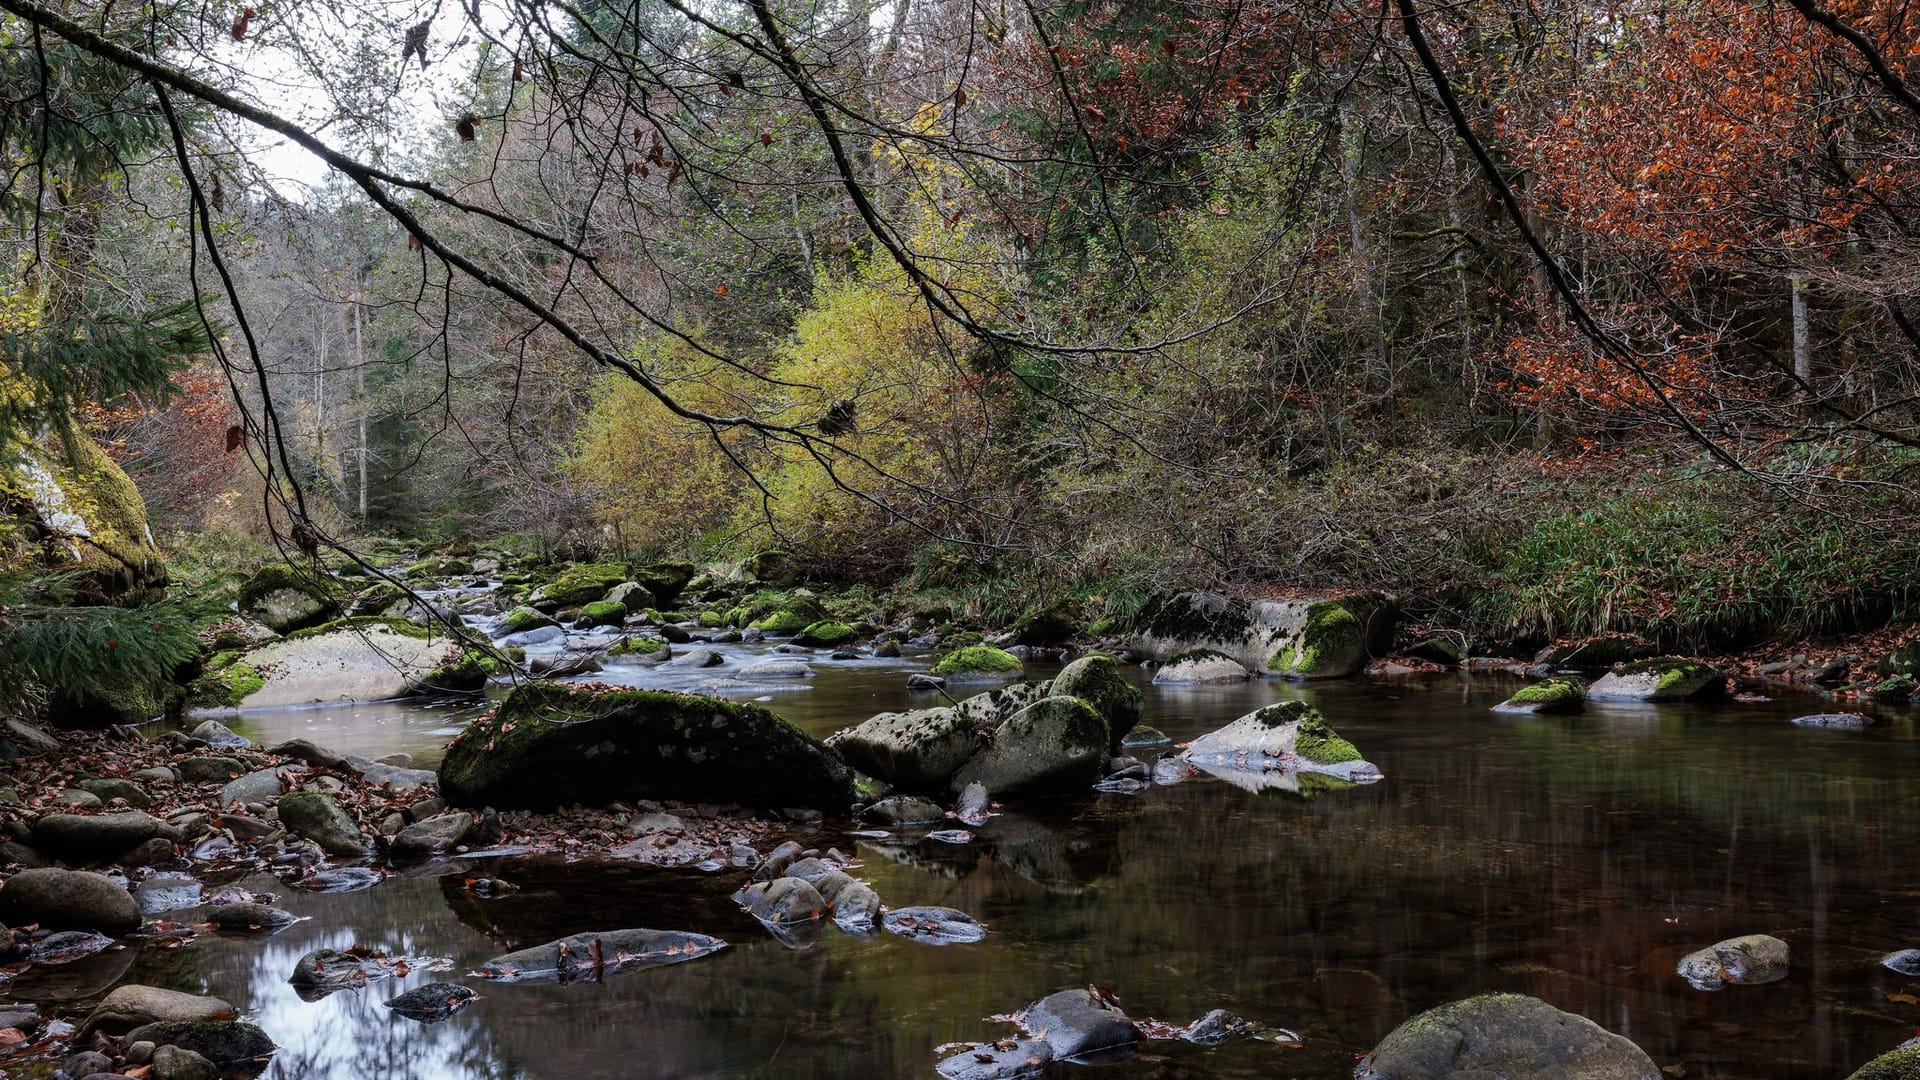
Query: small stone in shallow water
(1905,961)
(975,806)
(934,925)
(65,946)
(248,918)
(433,1002)
(951,836)
(1751,960)
(1839,721)
(589,956)
(338,879)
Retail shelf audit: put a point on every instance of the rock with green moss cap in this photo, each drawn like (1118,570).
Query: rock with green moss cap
(826,634)
(1556,695)
(982,661)
(1664,678)
(75,511)
(635,645)
(1200,667)
(354,660)
(579,584)
(1289,737)
(549,745)
(1046,627)
(602,613)
(1302,639)
(1097,680)
(1510,1036)
(1901,1063)
(1335,637)
(788,614)
(1054,745)
(1596,653)
(284,599)
(523,618)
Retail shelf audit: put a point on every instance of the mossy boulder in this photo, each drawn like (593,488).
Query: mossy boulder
(1595,653)
(548,745)
(349,660)
(1511,1036)
(579,584)
(635,645)
(603,613)
(826,634)
(788,614)
(522,619)
(1336,638)
(666,580)
(1049,626)
(1289,737)
(466,674)
(1097,681)
(1902,1063)
(284,599)
(633,596)
(1661,679)
(71,508)
(1055,745)
(978,660)
(1557,695)
(226,682)
(1329,637)
(913,751)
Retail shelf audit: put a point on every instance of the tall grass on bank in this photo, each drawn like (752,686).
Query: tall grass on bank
(1707,561)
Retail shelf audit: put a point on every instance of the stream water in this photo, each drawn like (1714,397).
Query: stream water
(1574,859)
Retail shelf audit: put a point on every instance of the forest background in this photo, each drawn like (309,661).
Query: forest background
(1550,319)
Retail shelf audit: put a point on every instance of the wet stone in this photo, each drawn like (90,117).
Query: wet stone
(433,1002)
(904,810)
(220,736)
(250,918)
(934,925)
(203,770)
(1751,960)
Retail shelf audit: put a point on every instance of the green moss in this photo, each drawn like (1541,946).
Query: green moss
(226,683)
(636,645)
(1195,617)
(524,618)
(826,633)
(466,674)
(583,583)
(604,613)
(977,658)
(403,627)
(1897,1064)
(1549,692)
(271,579)
(1899,686)
(1330,634)
(784,621)
(1197,654)
(424,568)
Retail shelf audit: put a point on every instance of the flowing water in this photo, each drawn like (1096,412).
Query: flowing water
(1575,859)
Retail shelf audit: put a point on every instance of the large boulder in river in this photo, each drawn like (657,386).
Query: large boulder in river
(68,900)
(284,599)
(1097,680)
(1510,1036)
(916,751)
(358,660)
(223,1042)
(130,1005)
(1300,639)
(1201,667)
(1291,736)
(579,584)
(548,745)
(318,817)
(1056,744)
(1664,678)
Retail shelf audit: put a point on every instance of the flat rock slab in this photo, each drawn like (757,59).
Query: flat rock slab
(585,956)
(368,663)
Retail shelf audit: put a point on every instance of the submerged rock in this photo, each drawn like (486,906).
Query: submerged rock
(1743,961)
(1289,737)
(1665,678)
(547,745)
(1836,721)
(1510,1036)
(934,925)
(250,918)
(433,1002)
(590,955)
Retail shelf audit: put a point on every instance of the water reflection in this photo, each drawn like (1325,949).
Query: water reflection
(1572,858)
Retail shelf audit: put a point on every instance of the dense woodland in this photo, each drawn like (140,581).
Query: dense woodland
(1550,319)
